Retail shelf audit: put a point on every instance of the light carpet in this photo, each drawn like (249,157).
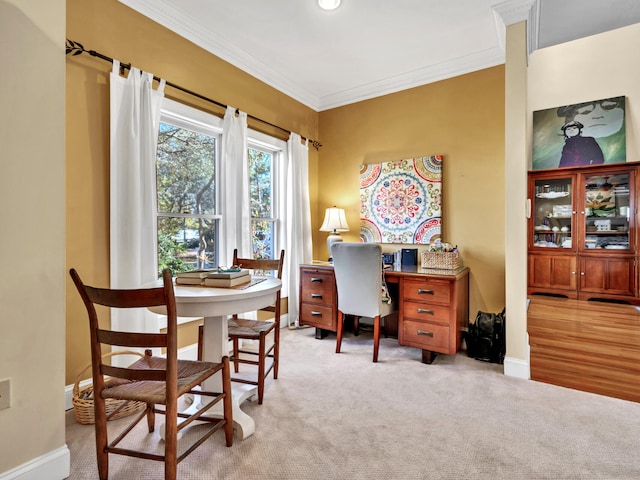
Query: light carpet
(340,416)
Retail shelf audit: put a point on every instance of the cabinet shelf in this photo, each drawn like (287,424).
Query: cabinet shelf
(597,257)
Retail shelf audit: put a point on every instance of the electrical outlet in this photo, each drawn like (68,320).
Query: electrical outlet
(5,393)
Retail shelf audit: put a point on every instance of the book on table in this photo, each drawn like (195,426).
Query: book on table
(226,282)
(199,274)
(227,274)
(189,280)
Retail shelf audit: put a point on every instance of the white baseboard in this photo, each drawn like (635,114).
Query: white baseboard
(54,465)
(514,367)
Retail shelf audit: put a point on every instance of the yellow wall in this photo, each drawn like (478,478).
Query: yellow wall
(32,242)
(460,118)
(117,31)
(516,127)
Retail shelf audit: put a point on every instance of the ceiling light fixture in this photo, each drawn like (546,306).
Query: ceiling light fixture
(329,4)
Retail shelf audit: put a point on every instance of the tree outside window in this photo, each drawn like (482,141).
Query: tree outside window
(186,168)
(186,199)
(261,190)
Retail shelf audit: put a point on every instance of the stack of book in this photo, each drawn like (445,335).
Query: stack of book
(214,278)
(227,278)
(192,277)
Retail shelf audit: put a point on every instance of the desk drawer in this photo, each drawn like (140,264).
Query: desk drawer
(437,291)
(320,316)
(317,288)
(427,336)
(426,312)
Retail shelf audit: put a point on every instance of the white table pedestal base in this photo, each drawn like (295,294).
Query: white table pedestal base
(215,345)
(215,305)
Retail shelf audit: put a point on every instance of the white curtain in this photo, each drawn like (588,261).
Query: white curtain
(135,117)
(298,248)
(234,189)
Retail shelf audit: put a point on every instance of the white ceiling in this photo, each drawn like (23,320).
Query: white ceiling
(368,48)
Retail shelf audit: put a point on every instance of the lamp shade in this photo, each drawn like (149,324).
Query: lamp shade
(334,221)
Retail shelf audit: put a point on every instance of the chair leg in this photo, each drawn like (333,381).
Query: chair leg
(376,337)
(101,438)
(228,407)
(151,417)
(356,325)
(261,366)
(276,349)
(236,355)
(200,339)
(171,440)
(339,331)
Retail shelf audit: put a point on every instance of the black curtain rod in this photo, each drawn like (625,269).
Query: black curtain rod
(75,48)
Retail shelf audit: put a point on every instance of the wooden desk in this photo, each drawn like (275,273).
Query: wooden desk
(433,305)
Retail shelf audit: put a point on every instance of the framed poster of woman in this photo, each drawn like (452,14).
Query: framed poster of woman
(587,133)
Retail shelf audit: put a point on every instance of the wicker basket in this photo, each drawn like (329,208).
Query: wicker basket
(442,260)
(83,398)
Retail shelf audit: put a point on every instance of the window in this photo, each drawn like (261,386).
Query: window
(186,166)
(188,214)
(262,207)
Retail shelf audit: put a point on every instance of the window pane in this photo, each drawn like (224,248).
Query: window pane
(262,234)
(185,171)
(186,243)
(260,178)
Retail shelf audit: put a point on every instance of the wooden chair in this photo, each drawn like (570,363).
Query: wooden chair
(152,380)
(260,330)
(358,271)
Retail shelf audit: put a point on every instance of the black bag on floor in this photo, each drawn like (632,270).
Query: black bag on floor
(486,337)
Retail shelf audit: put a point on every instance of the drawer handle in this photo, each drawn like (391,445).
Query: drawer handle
(316,295)
(424,310)
(422,290)
(316,279)
(316,314)
(422,332)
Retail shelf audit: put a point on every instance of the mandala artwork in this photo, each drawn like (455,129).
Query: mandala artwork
(401,201)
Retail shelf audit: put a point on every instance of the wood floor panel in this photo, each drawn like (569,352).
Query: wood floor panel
(588,346)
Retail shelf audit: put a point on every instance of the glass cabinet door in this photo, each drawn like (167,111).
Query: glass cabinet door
(552,212)
(606,211)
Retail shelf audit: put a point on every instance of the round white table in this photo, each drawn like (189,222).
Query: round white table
(214,305)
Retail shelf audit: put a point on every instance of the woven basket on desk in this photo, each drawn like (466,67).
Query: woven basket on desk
(441,260)
(82,399)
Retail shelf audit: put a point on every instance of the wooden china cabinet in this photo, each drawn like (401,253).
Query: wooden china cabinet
(582,237)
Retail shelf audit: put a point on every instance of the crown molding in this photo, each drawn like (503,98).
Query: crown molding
(416,78)
(514,11)
(165,14)
(177,21)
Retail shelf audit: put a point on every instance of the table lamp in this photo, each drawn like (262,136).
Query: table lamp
(334,222)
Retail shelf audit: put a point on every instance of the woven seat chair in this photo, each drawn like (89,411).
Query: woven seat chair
(268,353)
(152,380)
(358,271)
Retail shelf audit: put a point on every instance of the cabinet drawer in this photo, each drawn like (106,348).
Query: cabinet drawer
(317,315)
(426,312)
(427,336)
(317,288)
(438,291)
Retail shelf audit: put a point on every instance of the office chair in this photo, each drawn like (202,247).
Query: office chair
(358,271)
(152,380)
